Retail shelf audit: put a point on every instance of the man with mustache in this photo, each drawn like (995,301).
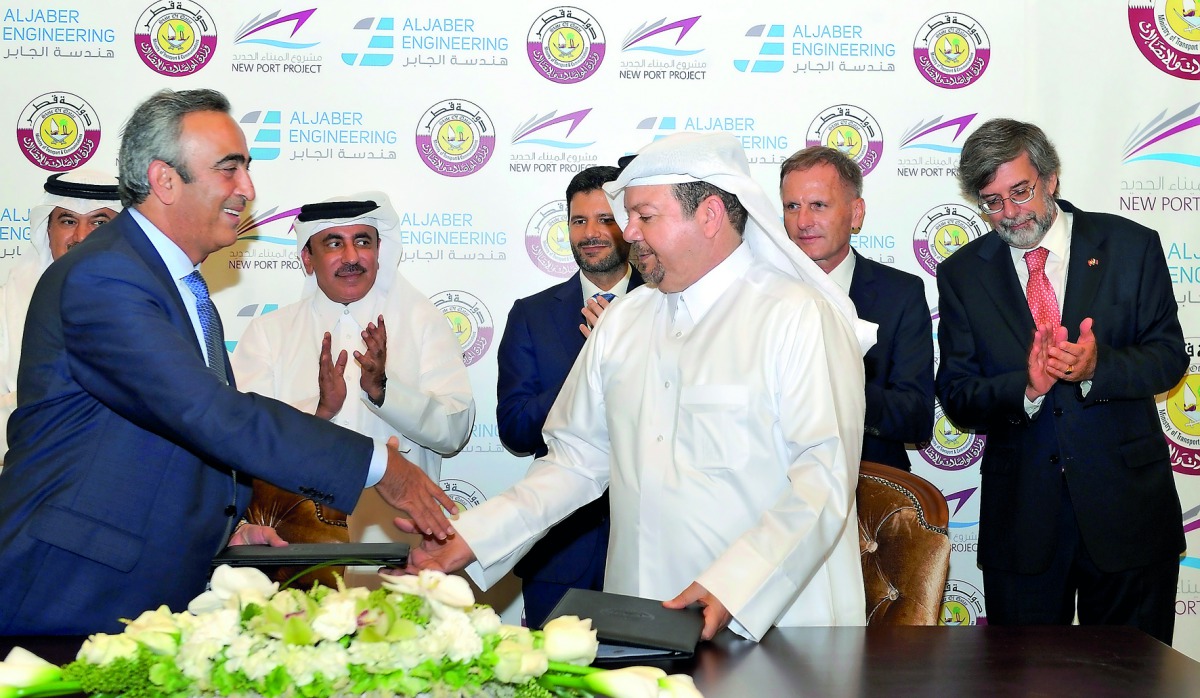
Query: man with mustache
(541,340)
(721,404)
(1057,330)
(362,347)
(132,449)
(74,204)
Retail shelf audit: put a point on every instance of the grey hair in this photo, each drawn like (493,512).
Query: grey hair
(152,133)
(848,170)
(999,141)
(690,194)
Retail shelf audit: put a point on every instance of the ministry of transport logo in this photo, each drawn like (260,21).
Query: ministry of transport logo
(951,448)
(58,131)
(1179,414)
(175,38)
(1167,32)
(850,129)
(565,45)
(941,231)
(548,240)
(470,320)
(951,50)
(455,138)
(466,495)
(962,604)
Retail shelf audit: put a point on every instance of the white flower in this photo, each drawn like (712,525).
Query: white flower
(517,663)
(102,648)
(336,619)
(234,588)
(22,669)
(457,637)
(630,682)
(569,639)
(485,620)
(678,686)
(433,585)
(517,633)
(156,629)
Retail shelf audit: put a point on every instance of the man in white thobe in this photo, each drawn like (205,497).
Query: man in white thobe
(736,391)
(75,204)
(362,347)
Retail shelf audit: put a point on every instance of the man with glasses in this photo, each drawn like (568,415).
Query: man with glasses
(1057,330)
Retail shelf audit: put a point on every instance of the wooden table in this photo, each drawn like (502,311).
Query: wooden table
(907,661)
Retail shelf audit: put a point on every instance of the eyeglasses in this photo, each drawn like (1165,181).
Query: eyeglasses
(995,204)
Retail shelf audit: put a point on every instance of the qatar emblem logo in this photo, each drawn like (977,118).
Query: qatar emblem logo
(58,131)
(565,45)
(1179,415)
(951,50)
(175,38)
(548,240)
(455,138)
(962,604)
(941,231)
(470,320)
(1167,32)
(951,448)
(850,129)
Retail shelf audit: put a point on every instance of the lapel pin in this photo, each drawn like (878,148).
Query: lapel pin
(1093,262)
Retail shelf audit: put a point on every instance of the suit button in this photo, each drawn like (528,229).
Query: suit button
(230,510)
(1054,459)
(1058,412)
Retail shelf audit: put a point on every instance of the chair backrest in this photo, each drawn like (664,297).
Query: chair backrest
(297,519)
(904,545)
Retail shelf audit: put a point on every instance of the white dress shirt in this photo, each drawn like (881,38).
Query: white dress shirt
(729,438)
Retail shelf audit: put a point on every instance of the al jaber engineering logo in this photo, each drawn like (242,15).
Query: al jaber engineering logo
(565,45)
(941,231)
(455,138)
(58,131)
(175,38)
(1167,32)
(962,604)
(470,320)
(951,50)
(1179,414)
(548,240)
(850,129)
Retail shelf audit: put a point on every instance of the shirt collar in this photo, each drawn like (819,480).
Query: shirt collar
(701,296)
(843,273)
(329,312)
(178,264)
(619,289)
(1057,239)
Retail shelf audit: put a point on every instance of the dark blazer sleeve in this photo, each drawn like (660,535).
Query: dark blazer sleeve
(123,349)
(523,394)
(900,398)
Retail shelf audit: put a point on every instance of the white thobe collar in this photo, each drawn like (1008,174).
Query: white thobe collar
(329,313)
(702,295)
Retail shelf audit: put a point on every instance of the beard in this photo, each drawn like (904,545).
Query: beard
(1026,238)
(607,263)
(651,275)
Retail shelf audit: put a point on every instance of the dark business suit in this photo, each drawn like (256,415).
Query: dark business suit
(899,368)
(118,488)
(539,346)
(1103,455)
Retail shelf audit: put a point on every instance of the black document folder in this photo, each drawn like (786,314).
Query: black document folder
(305,554)
(629,626)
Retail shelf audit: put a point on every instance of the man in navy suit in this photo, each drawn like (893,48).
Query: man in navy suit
(1058,329)
(131,450)
(821,190)
(543,336)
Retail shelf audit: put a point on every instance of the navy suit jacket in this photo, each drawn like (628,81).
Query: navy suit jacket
(899,368)
(1107,447)
(539,346)
(119,487)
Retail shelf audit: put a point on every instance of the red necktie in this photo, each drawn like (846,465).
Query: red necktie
(1038,291)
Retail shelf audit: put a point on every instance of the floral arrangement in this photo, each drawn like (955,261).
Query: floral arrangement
(417,636)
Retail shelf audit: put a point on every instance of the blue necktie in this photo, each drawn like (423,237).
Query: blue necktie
(209,323)
(606,296)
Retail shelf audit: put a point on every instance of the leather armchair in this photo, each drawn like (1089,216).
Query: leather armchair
(298,519)
(904,545)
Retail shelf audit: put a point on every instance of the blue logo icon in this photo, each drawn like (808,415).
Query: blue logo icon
(265,144)
(769,48)
(379,46)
